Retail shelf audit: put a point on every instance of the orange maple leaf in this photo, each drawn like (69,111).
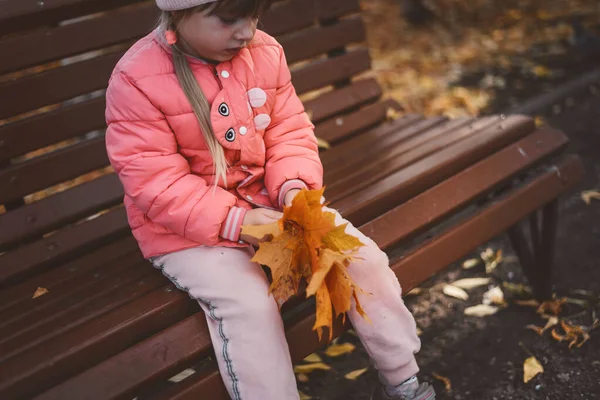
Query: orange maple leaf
(306,244)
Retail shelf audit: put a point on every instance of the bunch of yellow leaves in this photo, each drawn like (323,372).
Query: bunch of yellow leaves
(306,244)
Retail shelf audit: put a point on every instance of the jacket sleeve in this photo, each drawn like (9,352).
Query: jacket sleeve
(292,152)
(143,151)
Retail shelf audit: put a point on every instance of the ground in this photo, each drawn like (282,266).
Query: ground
(483,356)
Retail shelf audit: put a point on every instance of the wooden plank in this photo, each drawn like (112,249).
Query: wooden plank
(386,193)
(57,85)
(342,127)
(381,148)
(330,9)
(44,366)
(405,153)
(52,168)
(56,126)
(338,101)
(61,247)
(436,203)
(39,47)
(63,208)
(288,16)
(64,274)
(18,8)
(319,40)
(132,285)
(327,72)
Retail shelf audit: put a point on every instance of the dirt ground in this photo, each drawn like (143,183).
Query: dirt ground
(483,357)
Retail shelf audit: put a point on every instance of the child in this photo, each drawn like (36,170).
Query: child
(207,134)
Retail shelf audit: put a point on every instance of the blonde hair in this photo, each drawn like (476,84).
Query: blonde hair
(195,96)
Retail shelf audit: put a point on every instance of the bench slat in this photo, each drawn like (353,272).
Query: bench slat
(63,275)
(340,128)
(40,217)
(406,183)
(407,153)
(539,146)
(424,262)
(52,168)
(322,39)
(62,246)
(327,72)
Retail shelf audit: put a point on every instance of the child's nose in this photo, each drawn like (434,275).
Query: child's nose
(247,30)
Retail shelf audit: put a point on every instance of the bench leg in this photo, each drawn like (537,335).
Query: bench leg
(537,254)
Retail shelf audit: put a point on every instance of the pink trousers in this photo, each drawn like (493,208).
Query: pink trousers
(247,330)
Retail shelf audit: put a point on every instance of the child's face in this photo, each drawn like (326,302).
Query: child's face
(217,37)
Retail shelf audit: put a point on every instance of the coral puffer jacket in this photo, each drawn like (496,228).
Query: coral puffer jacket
(155,144)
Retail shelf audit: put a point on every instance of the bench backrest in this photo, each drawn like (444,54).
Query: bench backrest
(59,198)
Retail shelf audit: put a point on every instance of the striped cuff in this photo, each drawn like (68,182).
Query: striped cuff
(231,228)
(287,186)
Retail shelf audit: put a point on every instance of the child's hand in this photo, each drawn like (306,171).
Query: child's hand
(259,216)
(289,197)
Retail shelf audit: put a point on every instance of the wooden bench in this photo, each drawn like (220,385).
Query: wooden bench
(427,190)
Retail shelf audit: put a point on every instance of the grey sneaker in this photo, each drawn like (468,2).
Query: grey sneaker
(425,392)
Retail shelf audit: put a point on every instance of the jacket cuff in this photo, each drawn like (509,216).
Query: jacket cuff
(232,226)
(287,186)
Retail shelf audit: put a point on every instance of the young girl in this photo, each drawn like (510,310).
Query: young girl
(207,134)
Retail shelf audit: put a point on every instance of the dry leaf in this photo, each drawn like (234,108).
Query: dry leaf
(323,144)
(307,245)
(302,378)
(355,374)
(539,121)
(588,195)
(304,396)
(182,375)
(552,321)
(456,292)
(392,114)
(531,368)
(419,331)
(494,296)
(528,303)
(40,292)
(481,310)
(541,72)
(444,380)
(308,368)
(473,262)
(414,292)
(575,335)
(337,350)
(470,283)
(313,358)
(552,307)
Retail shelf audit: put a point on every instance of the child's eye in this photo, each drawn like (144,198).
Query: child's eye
(228,21)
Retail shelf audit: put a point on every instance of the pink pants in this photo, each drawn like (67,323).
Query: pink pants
(247,330)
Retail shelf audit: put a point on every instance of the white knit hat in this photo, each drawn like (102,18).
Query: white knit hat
(173,5)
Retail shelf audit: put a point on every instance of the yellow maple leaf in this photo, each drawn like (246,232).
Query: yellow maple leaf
(307,244)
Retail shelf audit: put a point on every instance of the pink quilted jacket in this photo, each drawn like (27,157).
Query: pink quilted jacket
(155,144)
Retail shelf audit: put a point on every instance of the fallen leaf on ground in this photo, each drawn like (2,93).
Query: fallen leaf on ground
(445,380)
(588,195)
(456,292)
(313,358)
(302,378)
(392,114)
(470,283)
(472,263)
(182,375)
(531,368)
(337,350)
(419,331)
(307,245)
(481,310)
(517,288)
(308,368)
(552,307)
(574,334)
(323,144)
(40,292)
(304,396)
(552,321)
(494,296)
(492,260)
(414,292)
(528,303)
(355,374)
